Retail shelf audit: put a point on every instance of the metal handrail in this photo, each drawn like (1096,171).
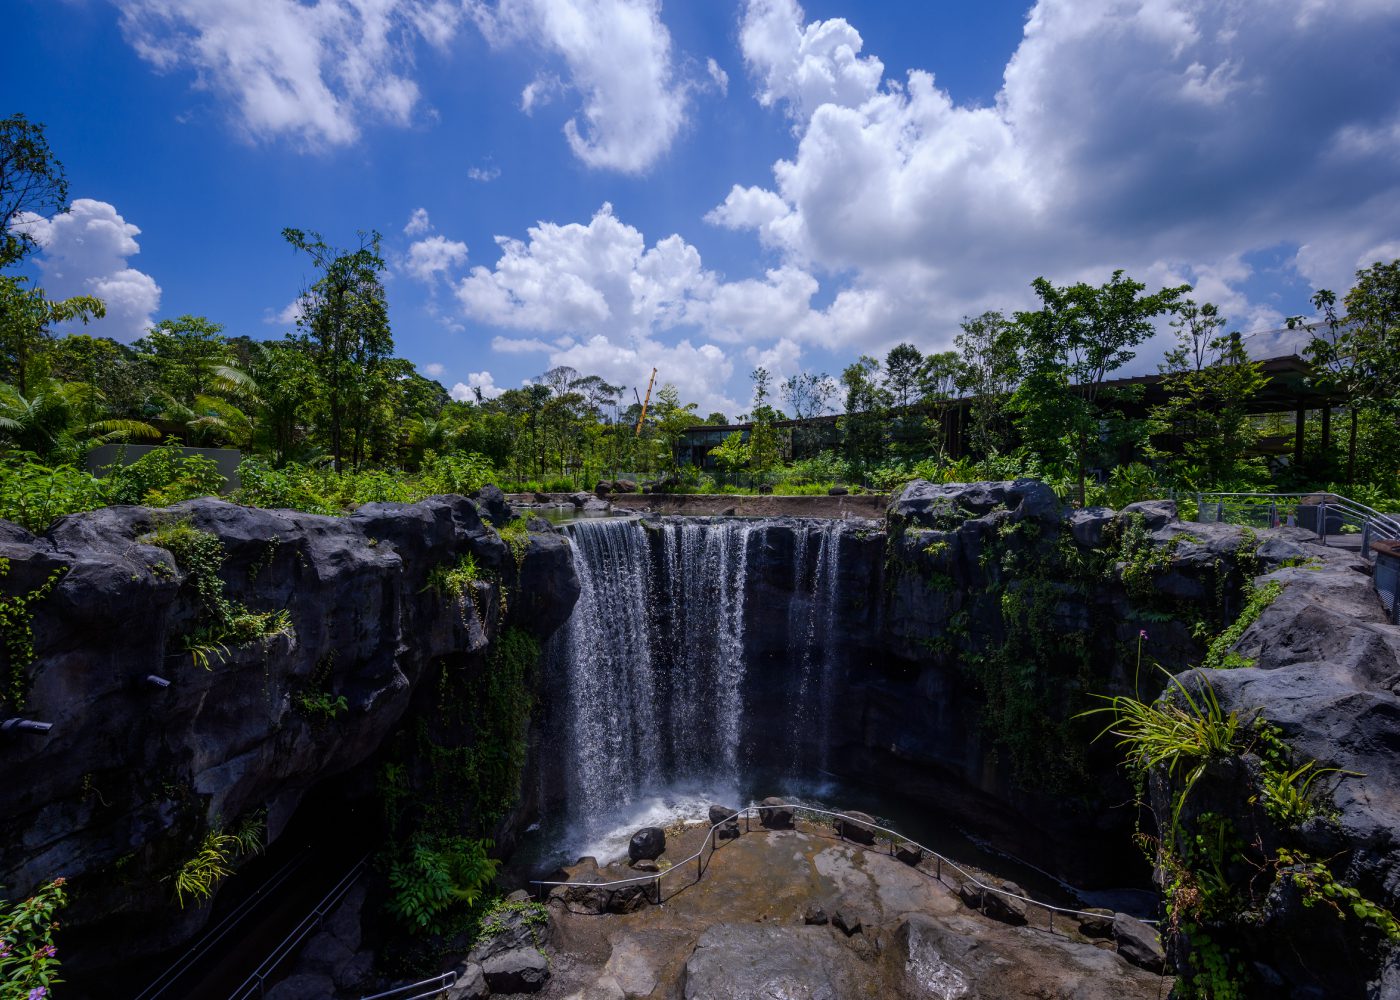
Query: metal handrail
(440,984)
(220,930)
(1371,522)
(256,984)
(746,813)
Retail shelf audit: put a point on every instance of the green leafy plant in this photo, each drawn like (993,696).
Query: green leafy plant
(17,633)
(321,706)
(222,623)
(28,955)
(437,874)
(198,876)
(1221,655)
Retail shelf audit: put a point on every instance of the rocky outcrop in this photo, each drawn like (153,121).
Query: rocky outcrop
(122,789)
(1321,664)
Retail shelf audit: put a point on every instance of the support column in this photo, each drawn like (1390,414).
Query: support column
(1326,428)
(1299,430)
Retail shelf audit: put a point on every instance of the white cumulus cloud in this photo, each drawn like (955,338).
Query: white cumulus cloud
(418,223)
(313,71)
(481,382)
(433,256)
(85,252)
(617,54)
(1161,136)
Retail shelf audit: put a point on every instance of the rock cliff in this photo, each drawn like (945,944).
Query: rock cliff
(162,732)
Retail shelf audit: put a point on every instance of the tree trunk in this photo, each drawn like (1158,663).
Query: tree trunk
(1351,449)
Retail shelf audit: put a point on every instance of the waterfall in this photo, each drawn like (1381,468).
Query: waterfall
(809,618)
(654,655)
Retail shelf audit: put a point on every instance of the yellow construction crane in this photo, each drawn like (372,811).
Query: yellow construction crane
(643,418)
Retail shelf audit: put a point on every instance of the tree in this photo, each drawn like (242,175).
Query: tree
(346,322)
(717,419)
(1209,381)
(809,395)
(904,366)
(673,418)
(31,183)
(988,371)
(54,422)
(27,316)
(867,408)
(1079,336)
(1373,312)
(765,450)
(285,376)
(731,454)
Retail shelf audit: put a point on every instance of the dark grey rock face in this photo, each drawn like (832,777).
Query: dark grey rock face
(1326,671)
(116,796)
(524,970)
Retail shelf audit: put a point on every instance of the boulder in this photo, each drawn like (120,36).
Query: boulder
(603,489)
(926,505)
(856,826)
(624,486)
(1087,524)
(524,970)
(816,914)
(492,502)
(1009,905)
(726,819)
(775,814)
(513,932)
(1096,922)
(910,854)
(648,842)
(646,866)
(581,499)
(1155,514)
(471,983)
(1139,943)
(837,491)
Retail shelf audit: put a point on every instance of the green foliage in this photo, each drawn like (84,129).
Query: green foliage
(455,579)
(17,634)
(321,706)
(162,477)
(436,875)
(1221,652)
(1318,885)
(221,622)
(34,495)
(28,956)
(201,873)
(516,535)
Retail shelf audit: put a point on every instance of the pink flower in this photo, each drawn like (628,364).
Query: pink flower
(1142,633)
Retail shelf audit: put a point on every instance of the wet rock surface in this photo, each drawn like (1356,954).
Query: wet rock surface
(757,926)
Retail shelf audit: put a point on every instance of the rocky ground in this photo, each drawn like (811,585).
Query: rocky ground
(804,914)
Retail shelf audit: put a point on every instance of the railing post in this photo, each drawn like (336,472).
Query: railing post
(1322,521)
(1273,513)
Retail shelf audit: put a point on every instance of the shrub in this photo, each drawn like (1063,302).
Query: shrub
(33,495)
(28,956)
(162,477)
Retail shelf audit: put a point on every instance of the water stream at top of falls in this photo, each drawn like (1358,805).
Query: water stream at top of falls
(655,659)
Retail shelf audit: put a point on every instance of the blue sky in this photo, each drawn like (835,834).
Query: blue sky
(706,186)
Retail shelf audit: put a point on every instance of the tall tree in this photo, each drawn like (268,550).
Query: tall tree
(27,318)
(346,321)
(867,408)
(988,370)
(1209,382)
(765,449)
(1080,335)
(31,183)
(903,374)
(807,395)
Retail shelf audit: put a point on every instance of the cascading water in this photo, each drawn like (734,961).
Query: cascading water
(654,657)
